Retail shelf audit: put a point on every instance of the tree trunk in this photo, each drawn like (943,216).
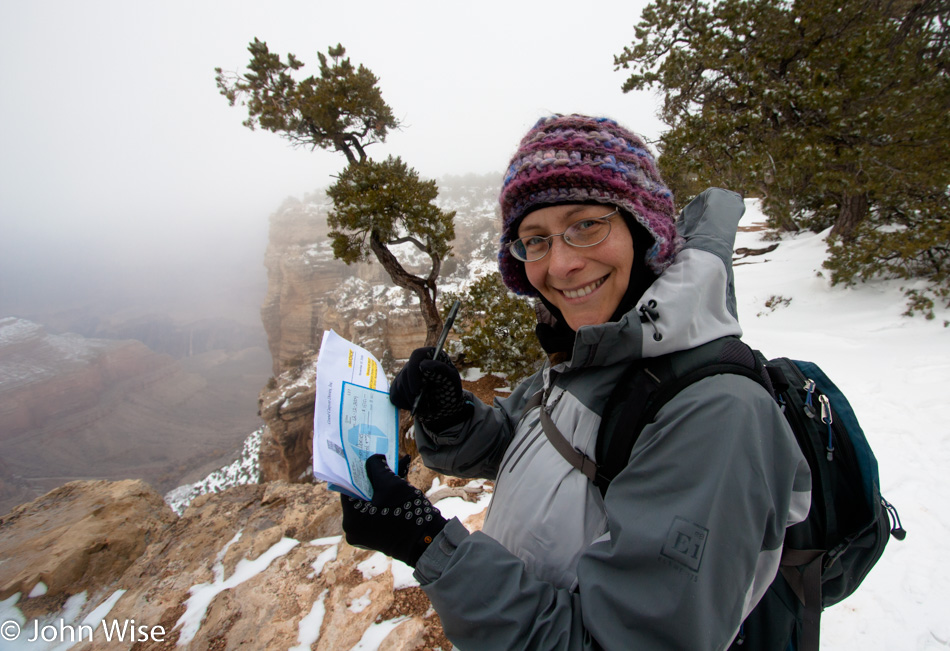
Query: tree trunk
(852,210)
(430,314)
(784,222)
(415,284)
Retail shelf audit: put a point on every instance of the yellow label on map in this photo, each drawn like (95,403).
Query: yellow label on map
(372,371)
(349,361)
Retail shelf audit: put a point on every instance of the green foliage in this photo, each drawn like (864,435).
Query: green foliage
(342,109)
(835,113)
(497,330)
(376,205)
(387,202)
(916,245)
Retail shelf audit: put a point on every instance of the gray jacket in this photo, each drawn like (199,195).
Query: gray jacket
(690,533)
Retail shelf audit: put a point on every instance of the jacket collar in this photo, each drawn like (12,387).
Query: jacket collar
(691,303)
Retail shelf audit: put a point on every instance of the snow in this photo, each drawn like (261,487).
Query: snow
(373,566)
(376,633)
(402,576)
(99,612)
(202,594)
(456,507)
(14,622)
(15,331)
(894,371)
(244,470)
(327,555)
(360,604)
(38,590)
(308,631)
(31,355)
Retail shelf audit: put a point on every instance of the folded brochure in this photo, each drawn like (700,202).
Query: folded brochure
(353,418)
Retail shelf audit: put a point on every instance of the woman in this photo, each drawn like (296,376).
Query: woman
(688,536)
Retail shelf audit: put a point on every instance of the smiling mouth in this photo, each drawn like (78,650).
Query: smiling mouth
(584,291)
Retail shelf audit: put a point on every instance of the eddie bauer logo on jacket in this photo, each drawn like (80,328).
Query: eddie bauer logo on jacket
(684,545)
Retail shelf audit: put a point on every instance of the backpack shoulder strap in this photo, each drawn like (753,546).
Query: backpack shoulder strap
(649,384)
(572,455)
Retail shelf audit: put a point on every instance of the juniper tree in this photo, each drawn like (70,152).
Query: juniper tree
(836,113)
(379,206)
(341,110)
(497,330)
(376,206)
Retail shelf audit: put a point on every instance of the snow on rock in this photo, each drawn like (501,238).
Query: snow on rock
(203,594)
(327,555)
(244,470)
(309,629)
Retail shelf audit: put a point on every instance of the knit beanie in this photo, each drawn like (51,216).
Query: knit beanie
(578,159)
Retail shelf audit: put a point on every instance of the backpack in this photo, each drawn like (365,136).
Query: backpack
(826,556)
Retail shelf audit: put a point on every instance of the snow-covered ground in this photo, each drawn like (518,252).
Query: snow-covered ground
(894,371)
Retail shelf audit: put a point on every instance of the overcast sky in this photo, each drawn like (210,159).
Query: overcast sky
(117,152)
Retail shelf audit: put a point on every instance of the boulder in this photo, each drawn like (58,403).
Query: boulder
(80,535)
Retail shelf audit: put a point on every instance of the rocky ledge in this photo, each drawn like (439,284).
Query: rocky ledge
(259,566)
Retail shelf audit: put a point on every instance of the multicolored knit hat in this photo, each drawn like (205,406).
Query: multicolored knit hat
(580,159)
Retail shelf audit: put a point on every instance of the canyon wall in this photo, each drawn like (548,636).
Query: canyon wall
(308,291)
(45,377)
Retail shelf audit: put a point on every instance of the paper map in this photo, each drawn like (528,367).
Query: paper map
(353,418)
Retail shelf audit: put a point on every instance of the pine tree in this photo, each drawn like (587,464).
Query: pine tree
(836,113)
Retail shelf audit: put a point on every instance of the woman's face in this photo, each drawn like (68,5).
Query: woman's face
(585,284)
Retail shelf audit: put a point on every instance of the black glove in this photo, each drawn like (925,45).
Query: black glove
(442,404)
(399,521)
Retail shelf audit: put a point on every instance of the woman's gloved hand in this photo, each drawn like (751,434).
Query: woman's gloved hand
(399,521)
(442,404)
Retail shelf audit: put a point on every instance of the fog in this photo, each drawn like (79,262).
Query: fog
(126,180)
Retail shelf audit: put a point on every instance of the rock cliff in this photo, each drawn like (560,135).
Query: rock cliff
(253,567)
(308,291)
(257,565)
(287,411)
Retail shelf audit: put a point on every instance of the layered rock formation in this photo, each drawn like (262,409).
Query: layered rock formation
(256,567)
(44,377)
(287,411)
(78,536)
(308,291)
(72,408)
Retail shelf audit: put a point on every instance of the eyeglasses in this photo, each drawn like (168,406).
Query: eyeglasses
(582,234)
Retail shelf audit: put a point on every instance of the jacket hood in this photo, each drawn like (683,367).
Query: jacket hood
(691,303)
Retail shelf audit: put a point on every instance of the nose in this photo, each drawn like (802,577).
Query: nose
(564,259)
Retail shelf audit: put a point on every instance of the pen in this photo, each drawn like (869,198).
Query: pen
(449,320)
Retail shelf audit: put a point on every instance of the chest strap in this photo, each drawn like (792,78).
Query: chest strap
(572,455)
